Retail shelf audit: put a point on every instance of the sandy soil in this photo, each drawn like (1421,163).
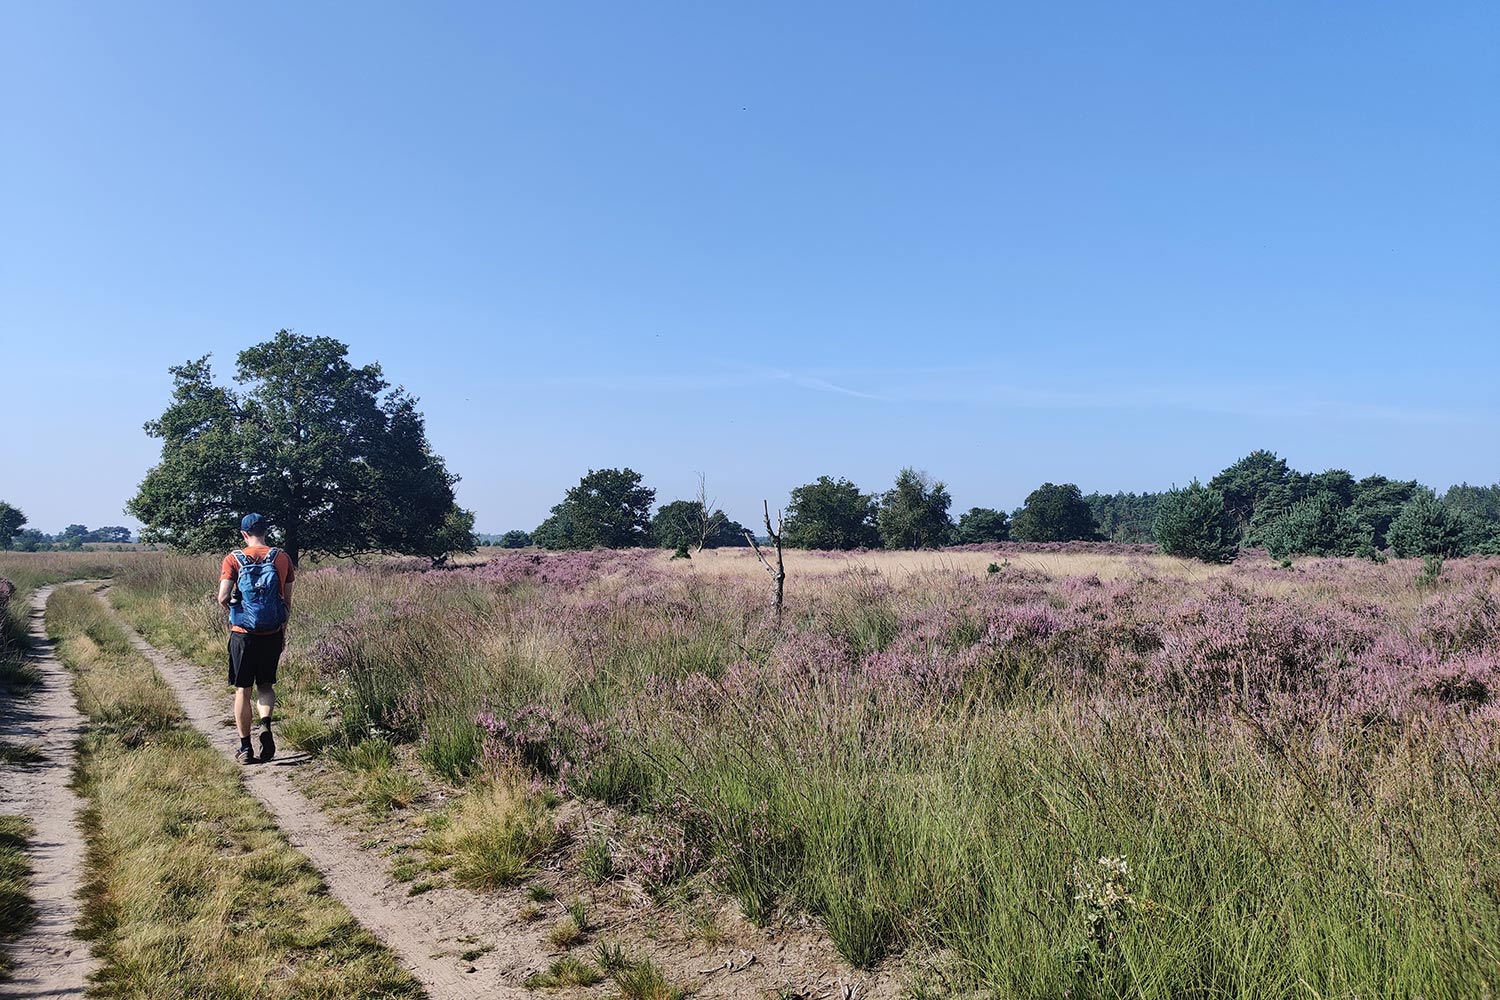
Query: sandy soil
(50,961)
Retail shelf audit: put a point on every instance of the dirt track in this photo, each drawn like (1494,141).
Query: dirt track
(426,931)
(50,961)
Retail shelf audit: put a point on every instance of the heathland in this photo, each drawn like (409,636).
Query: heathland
(1091,771)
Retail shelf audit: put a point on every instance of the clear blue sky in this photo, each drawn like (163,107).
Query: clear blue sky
(1113,244)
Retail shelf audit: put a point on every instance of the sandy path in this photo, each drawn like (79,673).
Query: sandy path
(427,932)
(50,961)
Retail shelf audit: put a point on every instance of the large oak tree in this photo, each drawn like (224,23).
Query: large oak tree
(329,452)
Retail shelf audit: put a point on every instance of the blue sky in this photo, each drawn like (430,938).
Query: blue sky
(1118,245)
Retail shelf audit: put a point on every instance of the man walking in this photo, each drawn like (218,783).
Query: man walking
(255,584)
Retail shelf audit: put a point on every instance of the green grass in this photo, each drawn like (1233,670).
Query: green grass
(610,956)
(306,734)
(380,782)
(20,754)
(643,979)
(565,933)
(190,888)
(566,971)
(597,863)
(17,913)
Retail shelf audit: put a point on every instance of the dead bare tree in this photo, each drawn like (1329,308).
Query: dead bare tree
(778,572)
(707,519)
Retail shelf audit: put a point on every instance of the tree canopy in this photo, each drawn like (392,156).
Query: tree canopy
(830,514)
(1428,527)
(515,539)
(11,523)
(1377,501)
(609,508)
(982,524)
(913,514)
(1054,513)
(1194,523)
(683,523)
(1124,517)
(1249,483)
(336,459)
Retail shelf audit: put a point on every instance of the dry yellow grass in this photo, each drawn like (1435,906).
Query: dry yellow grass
(803,566)
(493,834)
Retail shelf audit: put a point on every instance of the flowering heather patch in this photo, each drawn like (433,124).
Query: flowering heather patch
(1302,765)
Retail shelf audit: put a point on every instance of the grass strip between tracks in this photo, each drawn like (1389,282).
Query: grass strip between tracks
(17,912)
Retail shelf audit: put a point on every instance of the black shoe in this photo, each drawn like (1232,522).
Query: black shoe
(245,755)
(267,745)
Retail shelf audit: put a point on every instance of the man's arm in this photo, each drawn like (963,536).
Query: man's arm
(224,586)
(286,595)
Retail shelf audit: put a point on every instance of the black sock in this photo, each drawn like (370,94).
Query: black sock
(266,723)
(244,743)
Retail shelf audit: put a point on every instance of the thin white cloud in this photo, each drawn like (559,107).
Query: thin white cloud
(818,384)
(999,388)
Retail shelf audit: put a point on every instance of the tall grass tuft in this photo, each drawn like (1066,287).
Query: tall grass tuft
(494,834)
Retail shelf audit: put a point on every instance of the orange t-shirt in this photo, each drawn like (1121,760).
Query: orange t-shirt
(284,571)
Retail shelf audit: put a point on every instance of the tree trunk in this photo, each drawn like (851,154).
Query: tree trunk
(291,545)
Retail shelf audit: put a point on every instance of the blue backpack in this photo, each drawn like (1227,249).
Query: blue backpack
(260,607)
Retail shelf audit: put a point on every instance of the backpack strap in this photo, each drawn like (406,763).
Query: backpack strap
(271,556)
(241,558)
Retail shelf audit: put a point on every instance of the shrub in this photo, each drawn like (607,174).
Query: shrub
(978,525)
(1315,526)
(1194,523)
(1428,527)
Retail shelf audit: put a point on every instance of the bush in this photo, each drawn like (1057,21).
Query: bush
(1054,514)
(1316,526)
(1428,527)
(1194,523)
(982,524)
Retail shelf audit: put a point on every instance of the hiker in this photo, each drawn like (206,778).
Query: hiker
(255,584)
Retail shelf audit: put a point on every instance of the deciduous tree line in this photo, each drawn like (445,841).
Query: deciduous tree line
(1258,501)
(14,535)
(340,462)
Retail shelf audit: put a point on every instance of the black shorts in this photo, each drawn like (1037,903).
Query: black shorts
(253,658)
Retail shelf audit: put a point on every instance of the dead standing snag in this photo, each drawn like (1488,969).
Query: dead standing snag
(778,572)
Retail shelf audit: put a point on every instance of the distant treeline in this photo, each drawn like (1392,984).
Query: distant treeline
(15,536)
(1258,502)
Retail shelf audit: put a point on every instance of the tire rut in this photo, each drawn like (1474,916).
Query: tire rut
(50,960)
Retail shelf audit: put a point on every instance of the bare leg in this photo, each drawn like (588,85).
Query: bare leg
(242,711)
(265,701)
